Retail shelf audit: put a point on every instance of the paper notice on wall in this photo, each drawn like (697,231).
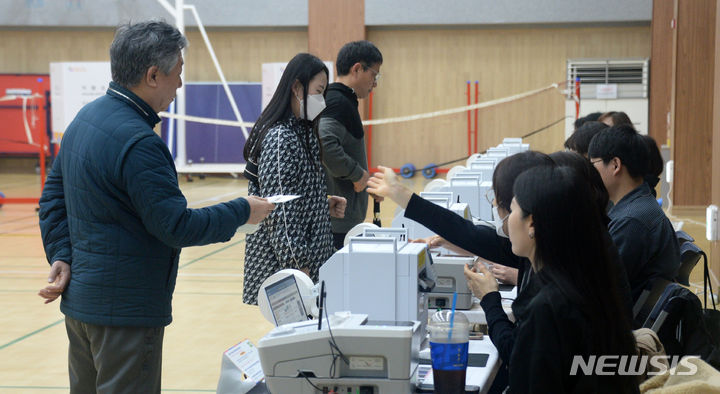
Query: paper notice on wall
(72,86)
(606,92)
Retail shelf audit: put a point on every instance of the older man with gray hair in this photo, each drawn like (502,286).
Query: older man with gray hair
(113,219)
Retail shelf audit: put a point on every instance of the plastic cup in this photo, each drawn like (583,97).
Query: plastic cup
(449,351)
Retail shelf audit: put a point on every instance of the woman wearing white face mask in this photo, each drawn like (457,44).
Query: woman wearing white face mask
(283,158)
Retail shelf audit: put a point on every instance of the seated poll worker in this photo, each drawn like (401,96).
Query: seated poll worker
(600,195)
(644,236)
(484,241)
(565,310)
(480,239)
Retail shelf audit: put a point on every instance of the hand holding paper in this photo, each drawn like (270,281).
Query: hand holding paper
(279,199)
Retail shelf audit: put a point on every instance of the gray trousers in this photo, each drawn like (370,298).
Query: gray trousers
(104,359)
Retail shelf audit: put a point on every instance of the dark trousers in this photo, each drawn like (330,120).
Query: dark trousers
(339,240)
(104,359)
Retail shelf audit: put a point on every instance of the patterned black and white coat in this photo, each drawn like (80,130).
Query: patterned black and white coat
(297,233)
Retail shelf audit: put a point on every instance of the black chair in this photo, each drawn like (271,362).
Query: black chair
(657,316)
(677,319)
(683,237)
(690,254)
(647,300)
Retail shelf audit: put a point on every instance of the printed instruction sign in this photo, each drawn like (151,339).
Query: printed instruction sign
(72,86)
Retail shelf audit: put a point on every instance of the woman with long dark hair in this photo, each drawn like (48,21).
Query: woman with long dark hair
(283,158)
(589,173)
(571,307)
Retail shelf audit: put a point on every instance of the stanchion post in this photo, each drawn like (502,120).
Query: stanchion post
(469,130)
(477,100)
(369,130)
(577,98)
(41,156)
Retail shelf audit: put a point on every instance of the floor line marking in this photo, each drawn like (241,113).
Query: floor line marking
(212,253)
(188,274)
(68,388)
(14,341)
(218,197)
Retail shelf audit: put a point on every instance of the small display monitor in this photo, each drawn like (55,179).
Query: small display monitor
(285,301)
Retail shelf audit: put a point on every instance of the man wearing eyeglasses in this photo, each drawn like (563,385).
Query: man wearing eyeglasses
(643,234)
(341,132)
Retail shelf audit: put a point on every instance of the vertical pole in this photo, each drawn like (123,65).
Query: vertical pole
(369,129)
(48,129)
(577,97)
(219,70)
(477,100)
(469,130)
(41,156)
(181,156)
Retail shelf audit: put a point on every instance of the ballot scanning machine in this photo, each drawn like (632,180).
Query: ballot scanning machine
(416,230)
(471,188)
(382,275)
(351,354)
(450,271)
(514,145)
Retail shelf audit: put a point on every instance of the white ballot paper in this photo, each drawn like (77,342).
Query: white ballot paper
(279,199)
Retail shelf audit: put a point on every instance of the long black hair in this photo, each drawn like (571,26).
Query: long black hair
(303,67)
(591,175)
(508,169)
(571,252)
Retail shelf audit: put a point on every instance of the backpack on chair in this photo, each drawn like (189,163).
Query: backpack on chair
(679,322)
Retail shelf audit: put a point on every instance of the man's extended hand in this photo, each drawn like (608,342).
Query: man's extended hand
(59,278)
(259,209)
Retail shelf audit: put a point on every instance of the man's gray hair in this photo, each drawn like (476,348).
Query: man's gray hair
(139,46)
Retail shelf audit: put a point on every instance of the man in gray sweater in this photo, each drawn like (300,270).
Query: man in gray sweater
(342,135)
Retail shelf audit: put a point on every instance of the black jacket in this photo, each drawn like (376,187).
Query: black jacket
(343,153)
(112,209)
(551,330)
(645,239)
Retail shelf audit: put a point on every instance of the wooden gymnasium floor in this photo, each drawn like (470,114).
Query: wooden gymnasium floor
(208,312)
